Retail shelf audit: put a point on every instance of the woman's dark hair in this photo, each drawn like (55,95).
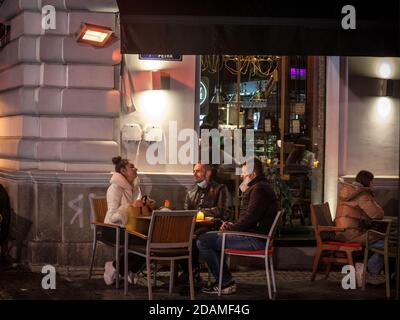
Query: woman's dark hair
(364,177)
(119,163)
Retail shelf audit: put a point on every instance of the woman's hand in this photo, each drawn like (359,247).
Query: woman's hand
(150,202)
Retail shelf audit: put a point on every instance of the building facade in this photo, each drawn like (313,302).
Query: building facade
(62,112)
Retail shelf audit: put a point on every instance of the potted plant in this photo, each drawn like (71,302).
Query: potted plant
(282,191)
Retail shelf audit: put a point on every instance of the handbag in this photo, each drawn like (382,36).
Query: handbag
(139,225)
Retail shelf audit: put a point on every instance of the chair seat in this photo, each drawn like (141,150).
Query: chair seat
(160,252)
(248,252)
(343,244)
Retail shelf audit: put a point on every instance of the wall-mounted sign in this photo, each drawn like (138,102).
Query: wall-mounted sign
(164,57)
(203,92)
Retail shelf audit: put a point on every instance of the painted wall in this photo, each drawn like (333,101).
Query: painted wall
(161,108)
(369,126)
(373,121)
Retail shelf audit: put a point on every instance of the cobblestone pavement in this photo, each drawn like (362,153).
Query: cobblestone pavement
(291,285)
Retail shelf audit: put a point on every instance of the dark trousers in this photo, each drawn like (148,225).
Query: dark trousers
(135,262)
(195,252)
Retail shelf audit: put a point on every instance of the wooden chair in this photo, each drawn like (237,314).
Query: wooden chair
(329,250)
(389,250)
(169,238)
(99,207)
(265,254)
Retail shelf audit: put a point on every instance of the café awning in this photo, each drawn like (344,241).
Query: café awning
(259,27)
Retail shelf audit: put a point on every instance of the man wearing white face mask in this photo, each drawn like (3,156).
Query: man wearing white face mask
(211,197)
(214,200)
(258,210)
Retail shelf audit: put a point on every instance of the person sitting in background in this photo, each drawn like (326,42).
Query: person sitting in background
(258,209)
(301,154)
(214,200)
(123,192)
(356,208)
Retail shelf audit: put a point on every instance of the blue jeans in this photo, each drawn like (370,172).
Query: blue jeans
(376,261)
(210,244)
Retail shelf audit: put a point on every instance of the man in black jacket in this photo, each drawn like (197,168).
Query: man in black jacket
(258,210)
(214,200)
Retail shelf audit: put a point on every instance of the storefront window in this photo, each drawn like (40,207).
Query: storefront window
(281,99)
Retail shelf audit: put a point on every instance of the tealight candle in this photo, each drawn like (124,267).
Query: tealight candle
(200,215)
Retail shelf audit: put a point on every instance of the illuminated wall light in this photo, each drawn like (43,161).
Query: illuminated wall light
(384,107)
(154,104)
(385,70)
(94,35)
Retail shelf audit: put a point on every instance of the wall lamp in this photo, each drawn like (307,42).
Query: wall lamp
(160,80)
(98,36)
(386,88)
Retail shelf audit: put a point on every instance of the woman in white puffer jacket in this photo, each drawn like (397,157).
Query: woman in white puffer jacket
(123,192)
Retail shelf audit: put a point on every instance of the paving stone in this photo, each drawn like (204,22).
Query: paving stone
(291,285)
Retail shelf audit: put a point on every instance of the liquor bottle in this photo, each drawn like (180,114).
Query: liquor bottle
(261,124)
(268,123)
(166,206)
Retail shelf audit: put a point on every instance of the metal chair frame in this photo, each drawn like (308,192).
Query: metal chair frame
(267,255)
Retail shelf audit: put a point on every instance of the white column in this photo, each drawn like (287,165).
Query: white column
(332,131)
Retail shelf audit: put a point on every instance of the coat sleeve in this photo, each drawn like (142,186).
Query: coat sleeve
(116,213)
(371,208)
(186,204)
(255,211)
(224,203)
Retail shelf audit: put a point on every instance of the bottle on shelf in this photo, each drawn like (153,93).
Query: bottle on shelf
(166,206)
(268,123)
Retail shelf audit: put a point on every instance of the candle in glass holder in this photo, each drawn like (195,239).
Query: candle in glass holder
(316,163)
(269,162)
(200,216)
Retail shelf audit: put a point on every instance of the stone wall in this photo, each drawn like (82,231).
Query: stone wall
(58,97)
(60,109)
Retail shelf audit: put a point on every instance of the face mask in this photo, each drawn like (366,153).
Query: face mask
(202,184)
(244,185)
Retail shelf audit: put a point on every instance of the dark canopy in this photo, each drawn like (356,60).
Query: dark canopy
(307,27)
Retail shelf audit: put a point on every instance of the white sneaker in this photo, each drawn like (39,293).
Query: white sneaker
(110,273)
(359,274)
(132,278)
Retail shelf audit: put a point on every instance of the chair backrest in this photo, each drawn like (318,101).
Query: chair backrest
(321,216)
(274,228)
(99,208)
(171,229)
(392,233)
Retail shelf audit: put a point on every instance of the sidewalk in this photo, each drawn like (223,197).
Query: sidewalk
(291,285)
